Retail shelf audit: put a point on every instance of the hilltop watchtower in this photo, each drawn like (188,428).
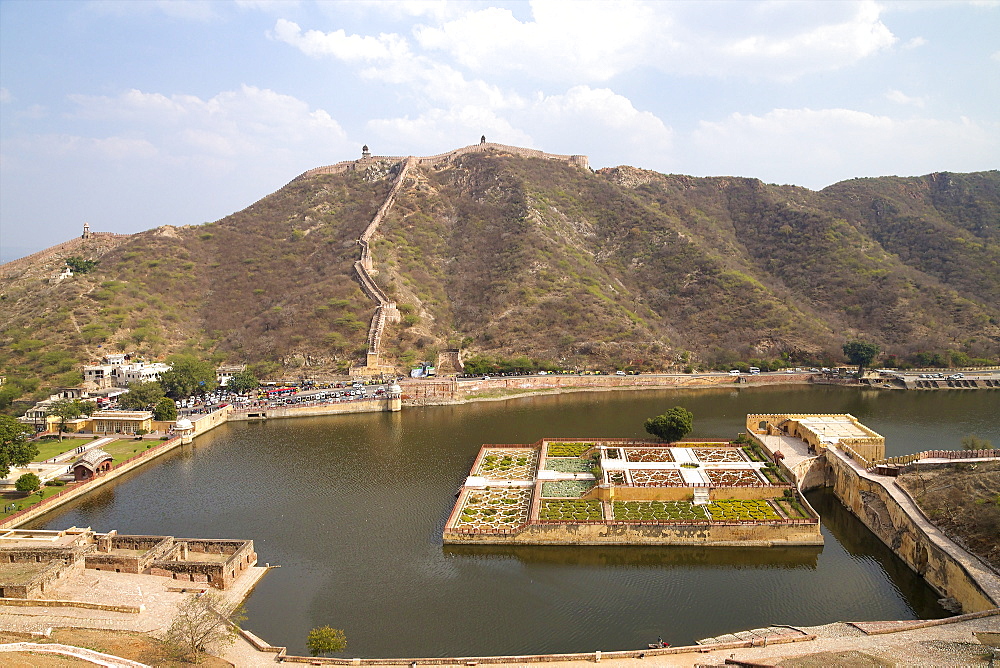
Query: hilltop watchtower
(86,231)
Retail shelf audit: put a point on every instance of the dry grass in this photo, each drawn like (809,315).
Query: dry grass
(125,644)
(963,500)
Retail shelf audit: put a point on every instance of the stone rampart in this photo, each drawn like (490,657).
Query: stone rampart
(444,158)
(889,512)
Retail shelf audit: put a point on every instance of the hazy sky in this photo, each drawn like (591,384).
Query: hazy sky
(135,114)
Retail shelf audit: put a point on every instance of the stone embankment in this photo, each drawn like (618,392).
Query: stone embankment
(424,392)
(886,509)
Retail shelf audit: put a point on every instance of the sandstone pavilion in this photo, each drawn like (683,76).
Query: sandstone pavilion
(630,492)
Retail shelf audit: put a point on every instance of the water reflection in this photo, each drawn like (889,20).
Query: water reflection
(636,556)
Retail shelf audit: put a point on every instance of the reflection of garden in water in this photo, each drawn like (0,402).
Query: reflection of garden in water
(644,556)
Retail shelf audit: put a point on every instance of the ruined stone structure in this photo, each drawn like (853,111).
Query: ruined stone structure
(31,561)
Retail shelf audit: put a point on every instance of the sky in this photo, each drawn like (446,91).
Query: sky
(130,115)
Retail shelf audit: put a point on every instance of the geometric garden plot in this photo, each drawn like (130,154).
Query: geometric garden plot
(719,455)
(508,464)
(495,508)
(733,477)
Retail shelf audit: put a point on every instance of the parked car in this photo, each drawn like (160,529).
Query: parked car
(734,372)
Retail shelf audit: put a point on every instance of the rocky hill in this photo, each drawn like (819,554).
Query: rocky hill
(505,256)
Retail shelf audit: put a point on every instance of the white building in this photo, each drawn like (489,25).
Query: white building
(140,372)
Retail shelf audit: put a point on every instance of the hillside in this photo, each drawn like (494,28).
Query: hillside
(511,256)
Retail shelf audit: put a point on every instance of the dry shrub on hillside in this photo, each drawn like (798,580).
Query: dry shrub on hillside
(963,500)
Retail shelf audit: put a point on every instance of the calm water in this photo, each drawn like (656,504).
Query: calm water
(352,509)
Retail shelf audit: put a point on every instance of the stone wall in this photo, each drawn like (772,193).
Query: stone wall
(182,562)
(747,534)
(56,569)
(946,567)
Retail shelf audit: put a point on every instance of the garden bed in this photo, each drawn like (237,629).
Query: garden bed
(733,477)
(567,449)
(508,464)
(742,511)
(656,477)
(495,508)
(566,489)
(658,511)
(570,511)
(568,464)
(719,455)
(648,455)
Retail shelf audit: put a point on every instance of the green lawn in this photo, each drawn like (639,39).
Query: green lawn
(49,448)
(125,448)
(22,502)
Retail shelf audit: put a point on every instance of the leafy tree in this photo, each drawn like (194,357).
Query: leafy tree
(68,409)
(672,426)
(28,482)
(80,265)
(187,376)
(972,442)
(165,410)
(199,623)
(324,640)
(15,449)
(861,353)
(244,381)
(8,393)
(141,396)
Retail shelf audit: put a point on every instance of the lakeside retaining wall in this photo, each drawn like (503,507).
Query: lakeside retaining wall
(744,534)
(951,571)
(450,390)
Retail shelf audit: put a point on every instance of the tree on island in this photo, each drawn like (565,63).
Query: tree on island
(325,640)
(141,396)
(672,426)
(28,482)
(68,409)
(15,449)
(861,353)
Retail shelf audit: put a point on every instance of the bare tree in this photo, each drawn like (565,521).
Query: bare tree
(199,623)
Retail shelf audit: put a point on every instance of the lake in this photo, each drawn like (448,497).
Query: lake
(352,508)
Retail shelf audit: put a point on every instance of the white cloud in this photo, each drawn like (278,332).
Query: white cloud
(594,41)
(900,97)
(588,40)
(339,44)
(214,134)
(819,147)
(914,43)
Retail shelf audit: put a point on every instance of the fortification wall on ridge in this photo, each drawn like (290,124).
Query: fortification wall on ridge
(432,160)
